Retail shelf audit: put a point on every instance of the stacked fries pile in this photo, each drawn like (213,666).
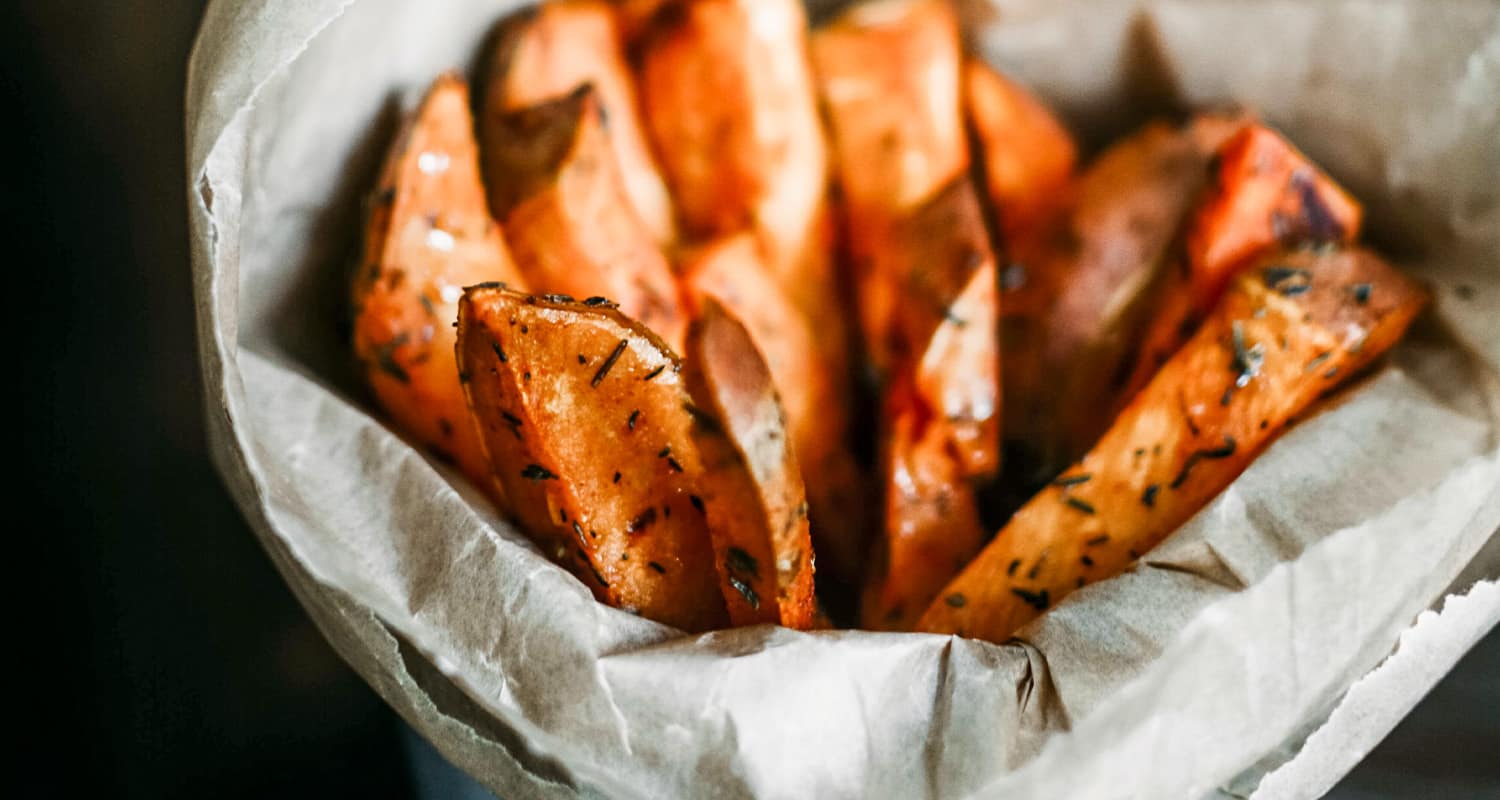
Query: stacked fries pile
(694,292)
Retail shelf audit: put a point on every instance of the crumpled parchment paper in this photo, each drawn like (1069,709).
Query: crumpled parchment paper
(1201,671)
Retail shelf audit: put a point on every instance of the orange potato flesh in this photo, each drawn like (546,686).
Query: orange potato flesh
(932,527)
(888,73)
(1291,328)
(751,485)
(584,419)
(428,235)
(732,110)
(1264,193)
(888,76)
(555,187)
(732,272)
(1028,156)
(550,50)
(1092,286)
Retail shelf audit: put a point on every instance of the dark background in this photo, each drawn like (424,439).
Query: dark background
(170,659)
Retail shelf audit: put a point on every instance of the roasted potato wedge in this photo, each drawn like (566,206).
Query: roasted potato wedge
(732,109)
(550,50)
(554,185)
(1027,156)
(583,417)
(1263,193)
(943,403)
(946,323)
(931,523)
(732,272)
(889,78)
(1291,328)
(1099,281)
(751,485)
(427,236)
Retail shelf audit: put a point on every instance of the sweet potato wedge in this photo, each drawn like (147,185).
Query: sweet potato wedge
(731,107)
(428,235)
(1098,282)
(751,486)
(1263,193)
(1027,155)
(1291,328)
(942,403)
(732,272)
(931,523)
(550,50)
(889,77)
(555,187)
(946,321)
(583,417)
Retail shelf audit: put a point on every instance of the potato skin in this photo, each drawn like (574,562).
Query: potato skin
(1263,193)
(550,50)
(584,420)
(555,185)
(751,485)
(428,234)
(732,272)
(1290,329)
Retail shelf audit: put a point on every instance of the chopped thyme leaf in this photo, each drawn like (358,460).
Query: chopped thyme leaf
(1081,505)
(1148,497)
(1278,277)
(499,351)
(1073,480)
(745,591)
(385,359)
(609,363)
(1362,293)
(1038,600)
(1225,451)
(740,561)
(537,472)
(657,567)
(642,521)
(1011,570)
(1317,361)
(634,415)
(956,600)
(653,373)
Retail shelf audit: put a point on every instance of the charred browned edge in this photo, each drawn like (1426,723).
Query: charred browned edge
(500,50)
(526,149)
(599,307)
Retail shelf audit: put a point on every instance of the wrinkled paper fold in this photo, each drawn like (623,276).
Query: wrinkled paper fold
(1199,671)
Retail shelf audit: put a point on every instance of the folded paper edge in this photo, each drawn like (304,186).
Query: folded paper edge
(1366,714)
